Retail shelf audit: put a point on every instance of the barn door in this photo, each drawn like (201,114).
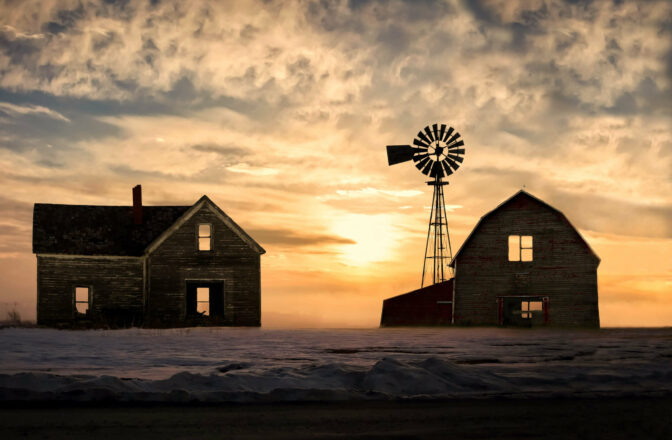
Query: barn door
(513,314)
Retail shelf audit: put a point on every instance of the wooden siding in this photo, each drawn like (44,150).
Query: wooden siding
(115,283)
(563,267)
(178,260)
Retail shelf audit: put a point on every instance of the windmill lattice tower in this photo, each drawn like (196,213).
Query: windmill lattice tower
(437,152)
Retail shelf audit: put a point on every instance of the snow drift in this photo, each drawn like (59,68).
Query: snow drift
(252,365)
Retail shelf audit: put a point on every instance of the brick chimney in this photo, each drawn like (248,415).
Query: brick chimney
(137,204)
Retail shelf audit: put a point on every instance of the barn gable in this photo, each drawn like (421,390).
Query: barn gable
(519,196)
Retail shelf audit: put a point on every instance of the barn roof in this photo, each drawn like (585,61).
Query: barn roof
(521,193)
(109,230)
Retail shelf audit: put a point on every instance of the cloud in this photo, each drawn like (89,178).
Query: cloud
(285,237)
(13,34)
(14,109)
(245,168)
(223,150)
(368,192)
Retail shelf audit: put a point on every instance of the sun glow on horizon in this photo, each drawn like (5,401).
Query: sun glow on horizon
(373,236)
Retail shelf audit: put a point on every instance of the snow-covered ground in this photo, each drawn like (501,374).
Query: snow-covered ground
(242,364)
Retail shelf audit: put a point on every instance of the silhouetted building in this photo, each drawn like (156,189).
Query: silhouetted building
(432,305)
(524,264)
(158,266)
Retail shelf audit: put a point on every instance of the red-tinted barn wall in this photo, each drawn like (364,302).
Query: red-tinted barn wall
(431,305)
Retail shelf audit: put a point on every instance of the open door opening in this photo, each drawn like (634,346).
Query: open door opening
(205,299)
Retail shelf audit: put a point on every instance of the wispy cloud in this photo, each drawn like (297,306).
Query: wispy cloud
(245,168)
(31,110)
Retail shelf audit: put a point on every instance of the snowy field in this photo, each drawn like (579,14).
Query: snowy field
(236,364)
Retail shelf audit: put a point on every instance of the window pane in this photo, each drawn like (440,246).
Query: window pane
(82,294)
(202,294)
(536,306)
(204,230)
(203,300)
(204,244)
(82,307)
(526,254)
(203,308)
(526,241)
(525,306)
(514,247)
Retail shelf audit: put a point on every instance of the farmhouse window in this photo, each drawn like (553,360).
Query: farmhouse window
(520,248)
(82,299)
(203,300)
(204,237)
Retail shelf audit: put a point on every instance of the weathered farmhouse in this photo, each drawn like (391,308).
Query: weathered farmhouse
(157,266)
(524,264)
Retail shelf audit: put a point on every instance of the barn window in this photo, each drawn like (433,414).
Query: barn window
(82,299)
(204,237)
(527,308)
(203,300)
(520,248)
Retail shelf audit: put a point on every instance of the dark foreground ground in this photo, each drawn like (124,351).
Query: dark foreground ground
(622,418)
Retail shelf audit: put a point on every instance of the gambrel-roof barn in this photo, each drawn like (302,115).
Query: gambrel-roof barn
(525,264)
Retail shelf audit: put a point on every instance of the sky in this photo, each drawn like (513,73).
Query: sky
(280,112)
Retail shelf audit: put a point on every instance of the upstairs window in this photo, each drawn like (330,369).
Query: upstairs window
(82,299)
(520,248)
(204,237)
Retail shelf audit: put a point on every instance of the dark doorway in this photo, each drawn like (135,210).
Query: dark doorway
(523,311)
(205,298)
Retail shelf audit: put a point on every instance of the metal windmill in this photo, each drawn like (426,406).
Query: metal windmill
(437,152)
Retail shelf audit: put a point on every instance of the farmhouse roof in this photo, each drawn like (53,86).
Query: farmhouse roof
(98,230)
(110,230)
(519,194)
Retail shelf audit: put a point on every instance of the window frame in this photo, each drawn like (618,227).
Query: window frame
(526,310)
(88,301)
(199,237)
(521,248)
(199,302)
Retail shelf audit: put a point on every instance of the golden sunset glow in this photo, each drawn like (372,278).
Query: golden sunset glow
(373,238)
(280,112)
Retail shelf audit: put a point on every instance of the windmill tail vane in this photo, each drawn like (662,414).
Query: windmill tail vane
(437,151)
